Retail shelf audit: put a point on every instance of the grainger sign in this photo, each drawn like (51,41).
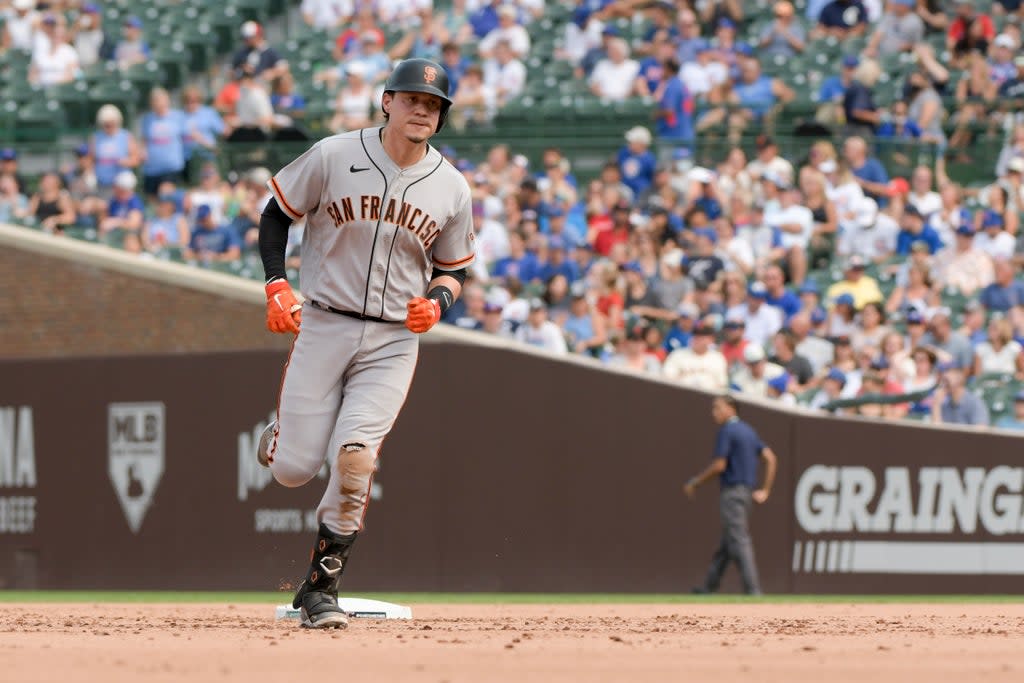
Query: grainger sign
(852,519)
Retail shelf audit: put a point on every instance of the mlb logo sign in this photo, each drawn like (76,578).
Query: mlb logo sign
(135,435)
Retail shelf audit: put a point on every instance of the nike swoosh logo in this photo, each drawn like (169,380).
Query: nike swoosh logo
(353,169)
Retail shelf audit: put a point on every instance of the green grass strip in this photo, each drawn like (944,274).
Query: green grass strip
(15,596)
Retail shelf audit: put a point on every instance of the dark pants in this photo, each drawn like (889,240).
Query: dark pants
(734,507)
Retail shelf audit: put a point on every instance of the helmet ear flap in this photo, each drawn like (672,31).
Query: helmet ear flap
(443,117)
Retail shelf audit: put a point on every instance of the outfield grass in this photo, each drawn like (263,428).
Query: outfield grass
(491,598)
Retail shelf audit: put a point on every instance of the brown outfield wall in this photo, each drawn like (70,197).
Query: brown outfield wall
(507,471)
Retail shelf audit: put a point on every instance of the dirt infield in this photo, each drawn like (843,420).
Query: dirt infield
(475,643)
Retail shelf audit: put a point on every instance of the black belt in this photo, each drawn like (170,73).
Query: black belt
(350,314)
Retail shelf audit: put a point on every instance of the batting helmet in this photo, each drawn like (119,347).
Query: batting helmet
(421,75)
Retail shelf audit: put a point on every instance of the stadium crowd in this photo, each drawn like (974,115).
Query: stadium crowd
(811,280)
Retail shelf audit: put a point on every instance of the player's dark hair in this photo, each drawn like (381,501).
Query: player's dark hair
(729,401)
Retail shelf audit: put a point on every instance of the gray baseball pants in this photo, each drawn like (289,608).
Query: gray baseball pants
(734,505)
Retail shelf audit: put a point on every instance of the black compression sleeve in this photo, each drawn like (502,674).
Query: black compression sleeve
(274,225)
(459,275)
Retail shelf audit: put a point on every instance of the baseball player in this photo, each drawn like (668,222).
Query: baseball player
(388,237)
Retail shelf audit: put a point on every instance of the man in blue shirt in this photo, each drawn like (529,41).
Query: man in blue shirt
(778,296)
(676,107)
(1005,292)
(738,449)
(834,88)
(211,242)
(913,229)
(869,172)
(636,162)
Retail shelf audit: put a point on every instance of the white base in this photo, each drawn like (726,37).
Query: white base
(357,608)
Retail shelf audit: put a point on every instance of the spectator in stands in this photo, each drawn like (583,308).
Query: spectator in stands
(872,329)
(54,61)
(841,19)
(1016,420)
(509,31)
(636,162)
(519,264)
(51,206)
(974,91)
(675,106)
(926,200)
(289,105)
(965,268)
(712,12)
(925,109)
(9,166)
(632,352)
(254,114)
(256,57)
(993,240)
(933,14)
(950,343)
(813,187)
(455,20)
(831,390)
(832,94)
(540,332)
(818,352)
(1013,149)
(613,78)
(859,109)
(769,163)
(211,192)
(162,130)
(203,125)
(210,242)
(700,365)
(689,40)
(425,39)
(753,375)
(796,225)
(505,75)
(950,215)
(969,31)
(132,49)
(869,172)
(678,336)
(486,18)
(113,147)
(703,263)
(168,229)
(733,343)
(80,180)
(954,404)
(325,15)
(354,101)
(586,331)
(863,288)
(19,30)
(762,321)
(973,322)
(474,100)
(777,294)
(349,42)
(455,64)
(784,37)
(918,293)
(125,212)
(618,231)
(1000,354)
(1006,292)
(779,389)
(1013,88)
(896,126)
(899,30)
(91,41)
(784,355)
(1001,67)
(13,204)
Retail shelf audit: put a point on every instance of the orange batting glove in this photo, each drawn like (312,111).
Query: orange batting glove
(284,312)
(422,314)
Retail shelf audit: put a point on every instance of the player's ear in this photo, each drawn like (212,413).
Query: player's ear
(385,102)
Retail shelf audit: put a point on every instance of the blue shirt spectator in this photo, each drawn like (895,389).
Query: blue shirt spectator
(788,302)
(915,230)
(485,19)
(1005,293)
(675,108)
(636,162)
(203,125)
(843,15)
(120,207)
(873,172)
(212,241)
(519,264)
(163,134)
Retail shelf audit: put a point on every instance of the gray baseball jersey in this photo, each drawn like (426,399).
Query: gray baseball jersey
(374,231)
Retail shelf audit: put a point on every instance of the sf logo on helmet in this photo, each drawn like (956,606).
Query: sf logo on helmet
(429,74)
